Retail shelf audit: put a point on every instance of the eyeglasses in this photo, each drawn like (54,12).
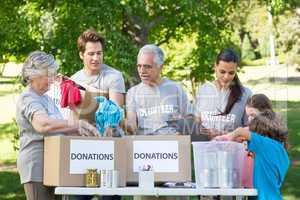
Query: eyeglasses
(146,66)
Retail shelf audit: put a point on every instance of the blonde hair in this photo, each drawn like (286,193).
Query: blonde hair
(37,63)
(269,124)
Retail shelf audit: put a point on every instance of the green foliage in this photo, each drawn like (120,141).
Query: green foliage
(127,25)
(288,32)
(15,36)
(10,187)
(203,27)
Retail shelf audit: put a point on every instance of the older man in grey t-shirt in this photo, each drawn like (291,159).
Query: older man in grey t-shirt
(155,101)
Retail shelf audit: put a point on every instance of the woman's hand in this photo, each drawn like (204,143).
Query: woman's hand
(86,129)
(211,133)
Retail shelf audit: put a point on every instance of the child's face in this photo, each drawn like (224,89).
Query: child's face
(251,113)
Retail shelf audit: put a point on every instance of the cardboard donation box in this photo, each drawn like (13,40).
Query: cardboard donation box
(169,156)
(88,106)
(67,158)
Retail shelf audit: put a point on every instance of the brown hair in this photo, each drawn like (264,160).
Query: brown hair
(261,102)
(236,88)
(89,35)
(269,124)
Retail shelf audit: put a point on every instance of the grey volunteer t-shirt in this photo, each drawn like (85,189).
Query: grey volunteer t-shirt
(155,106)
(31,154)
(108,80)
(211,101)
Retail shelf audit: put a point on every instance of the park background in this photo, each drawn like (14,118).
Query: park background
(266,33)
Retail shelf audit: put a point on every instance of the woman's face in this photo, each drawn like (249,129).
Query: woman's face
(251,112)
(41,83)
(225,72)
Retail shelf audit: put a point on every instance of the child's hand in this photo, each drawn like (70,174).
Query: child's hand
(240,134)
(211,133)
(225,137)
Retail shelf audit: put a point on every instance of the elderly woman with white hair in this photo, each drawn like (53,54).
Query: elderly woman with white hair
(37,116)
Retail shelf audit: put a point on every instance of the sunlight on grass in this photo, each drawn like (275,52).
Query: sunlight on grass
(290,197)
(7,142)
(7,154)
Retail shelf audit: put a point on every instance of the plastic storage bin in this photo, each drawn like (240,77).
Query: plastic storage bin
(218,164)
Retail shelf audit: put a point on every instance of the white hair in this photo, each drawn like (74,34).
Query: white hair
(38,63)
(152,48)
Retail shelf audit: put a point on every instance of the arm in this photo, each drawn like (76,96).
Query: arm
(116,97)
(239,135)
(116,88)
(43,124)
(130,124)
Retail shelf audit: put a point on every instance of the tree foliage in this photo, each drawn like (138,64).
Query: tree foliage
(127,25)
(54,26)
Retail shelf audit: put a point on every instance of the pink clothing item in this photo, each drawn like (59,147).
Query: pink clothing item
(70,94)
(247,175)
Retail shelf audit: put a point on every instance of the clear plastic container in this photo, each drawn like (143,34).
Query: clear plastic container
(218,164)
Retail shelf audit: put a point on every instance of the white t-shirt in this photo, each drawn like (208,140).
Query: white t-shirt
(155,106)
(211,101)
(108,80)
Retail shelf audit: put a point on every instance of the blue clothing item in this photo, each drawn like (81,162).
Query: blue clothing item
(271,163)
(109,114)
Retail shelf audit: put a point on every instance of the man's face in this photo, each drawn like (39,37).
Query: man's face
(148,71)
(92,57)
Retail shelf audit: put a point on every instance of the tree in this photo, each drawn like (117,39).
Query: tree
(127,25)
(15,35)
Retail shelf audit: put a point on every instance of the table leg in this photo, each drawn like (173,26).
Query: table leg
(65,197)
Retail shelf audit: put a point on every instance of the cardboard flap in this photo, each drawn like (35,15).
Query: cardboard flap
(88,106)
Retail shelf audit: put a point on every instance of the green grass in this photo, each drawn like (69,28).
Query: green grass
(276,82)
(10,187)
(290,189)
(263,61)
(9,86)
(7,143)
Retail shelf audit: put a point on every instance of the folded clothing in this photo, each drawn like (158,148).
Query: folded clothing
(109,114)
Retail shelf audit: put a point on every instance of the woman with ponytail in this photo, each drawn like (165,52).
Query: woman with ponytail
(220,104)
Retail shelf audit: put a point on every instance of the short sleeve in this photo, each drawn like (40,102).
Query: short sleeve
(117,83)
(130,100)
(201,99)
(183,101)
(261,144)
(247,94)
(29,106)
